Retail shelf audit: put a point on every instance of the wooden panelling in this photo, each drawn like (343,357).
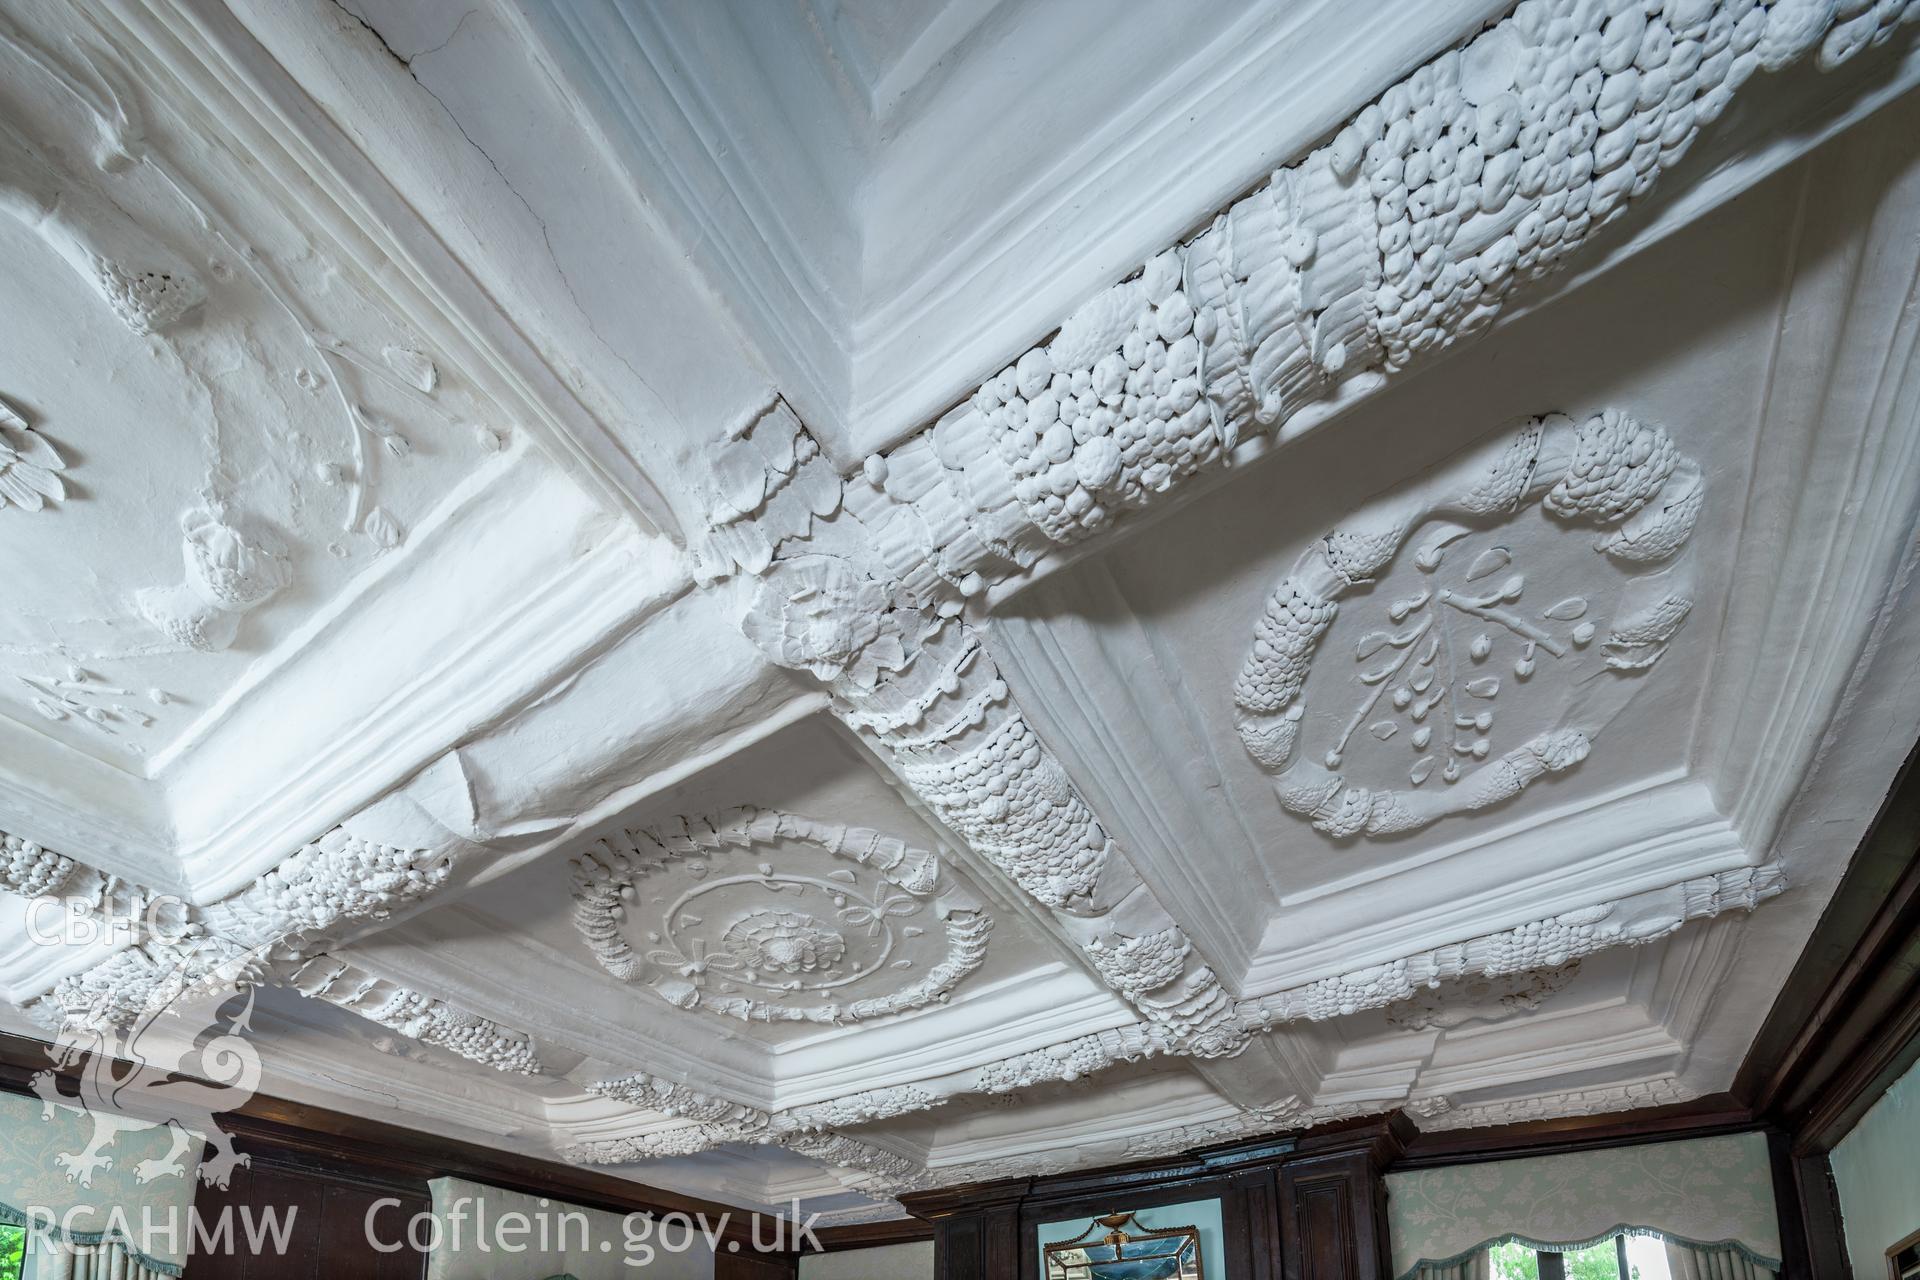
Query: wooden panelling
(747,1266)
(1847,1023)
(325,1225)
(867,1235)
(1333,1219)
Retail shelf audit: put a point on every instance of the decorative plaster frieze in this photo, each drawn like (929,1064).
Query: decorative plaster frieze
(1481,999)
(1434,660)
(1579,1102)
(414,1014)
(30,466)
(1287,1115)
(31,871)
(869,1168)
(1404,235)
(1542,944)
(1485,169)
(338,879)
(264,933)
(769,483)
(1541,957)
(825,923)
(718,1121)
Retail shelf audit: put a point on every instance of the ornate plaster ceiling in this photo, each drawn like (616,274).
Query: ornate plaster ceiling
(590,584)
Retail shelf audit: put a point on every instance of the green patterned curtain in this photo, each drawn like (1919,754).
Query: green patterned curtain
(46,1149)
(1715,1192)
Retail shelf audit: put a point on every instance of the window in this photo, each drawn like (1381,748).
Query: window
(1903,1260)
(1621,1258)
(13,1249)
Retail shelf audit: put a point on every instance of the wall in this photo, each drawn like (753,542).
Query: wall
(1876,1169)
(887,1262)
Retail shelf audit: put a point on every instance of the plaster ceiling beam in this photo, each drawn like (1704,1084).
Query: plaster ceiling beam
(1305,295)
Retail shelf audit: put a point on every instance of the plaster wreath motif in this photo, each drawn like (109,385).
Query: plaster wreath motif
(30,466)
(780,940)
(1433,668)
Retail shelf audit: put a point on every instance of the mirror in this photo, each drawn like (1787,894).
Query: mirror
(1121,1247)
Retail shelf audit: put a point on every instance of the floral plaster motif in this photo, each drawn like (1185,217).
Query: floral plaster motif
(831,621)
(1486,169)
(30,466)
(769,917)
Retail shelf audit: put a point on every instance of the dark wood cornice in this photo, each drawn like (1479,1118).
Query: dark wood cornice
(1847,1022)
(943,1202)
(1715,1114)
(871,1235)
(1381,1138)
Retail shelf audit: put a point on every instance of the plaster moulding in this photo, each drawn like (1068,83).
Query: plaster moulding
(928,696)
(561,581)
(333,399)
(271,930)
(1480,1000)
(414,1014)
(1634,1096)
(1541,945)
(1547,943)
(870,929)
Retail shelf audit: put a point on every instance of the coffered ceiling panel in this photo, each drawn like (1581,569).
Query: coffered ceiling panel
(807,600)
(1480,648)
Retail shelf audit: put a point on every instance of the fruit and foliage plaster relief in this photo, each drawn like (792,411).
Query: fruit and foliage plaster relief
(275,930)
(270,423)
(1433,659)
